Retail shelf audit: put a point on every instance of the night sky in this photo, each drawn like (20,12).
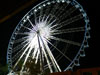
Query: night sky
(92,58)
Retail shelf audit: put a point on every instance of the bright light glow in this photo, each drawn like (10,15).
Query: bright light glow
(44,31)
(41,33)
(39,30)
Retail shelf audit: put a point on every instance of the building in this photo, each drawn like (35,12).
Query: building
(87,71)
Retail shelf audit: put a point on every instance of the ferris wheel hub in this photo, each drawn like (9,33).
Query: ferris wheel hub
(51,32)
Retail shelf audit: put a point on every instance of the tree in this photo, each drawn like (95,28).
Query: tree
(31,68)
(3,69)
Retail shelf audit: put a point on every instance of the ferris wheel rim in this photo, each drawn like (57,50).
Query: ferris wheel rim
(33,9)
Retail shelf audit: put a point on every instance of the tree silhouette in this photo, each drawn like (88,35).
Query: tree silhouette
(31,68)
(3,69)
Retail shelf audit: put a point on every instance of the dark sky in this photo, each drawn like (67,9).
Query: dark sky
(6,28)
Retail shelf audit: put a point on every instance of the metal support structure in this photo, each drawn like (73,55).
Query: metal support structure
(41,55)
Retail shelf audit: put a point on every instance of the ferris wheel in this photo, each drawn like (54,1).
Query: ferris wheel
(54,33)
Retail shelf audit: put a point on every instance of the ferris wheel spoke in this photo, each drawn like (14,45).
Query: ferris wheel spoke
(43,18)
(51,17)
(19,46)
(20,40)
(51,23)
(21,56)
(59,12)
(54,9)
(59,51)
(27,28)
(47,10)
(67,13)
(35,16)
(35,52)
(71,20)
(70,30)
(47,59)
(37,56)
(53,27)
(18,54)
(16,57)
(39,18)
(31,24)
(41,14)
(49,56)
(52,58)
(56,66)
(66,41)
(20,33)
(27,55)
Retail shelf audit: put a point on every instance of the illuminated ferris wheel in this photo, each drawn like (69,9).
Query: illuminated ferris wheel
(54,33)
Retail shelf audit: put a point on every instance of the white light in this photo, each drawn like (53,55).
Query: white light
(42,29)
(39,7)
(44,5)
(38,34)
(27,17)
(35,10)
(77,6)
(63,1)
(48,3)
(24,20)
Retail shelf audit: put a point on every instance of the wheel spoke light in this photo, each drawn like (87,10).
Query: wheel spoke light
(54,33)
